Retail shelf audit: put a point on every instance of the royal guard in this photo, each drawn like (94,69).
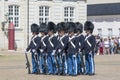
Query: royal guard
(72,50)
(51,44)
(33,47)
(80,46)
(61,46)
(89,46)
(42,48)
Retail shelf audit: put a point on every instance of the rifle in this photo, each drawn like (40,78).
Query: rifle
(27,64)
(82,63)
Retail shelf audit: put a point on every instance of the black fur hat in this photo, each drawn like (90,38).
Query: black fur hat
(35,28)
(61,26)
(79,27)
(43,27)
(71,27)
(51,27)
(89,26)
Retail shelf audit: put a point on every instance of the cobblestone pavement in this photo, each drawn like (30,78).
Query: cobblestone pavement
(12,67)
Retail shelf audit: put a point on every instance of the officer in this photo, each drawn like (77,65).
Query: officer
(33,48)
(61,46)
(72,50)
(89,43)
(80,45)
(42,48)
(51,44)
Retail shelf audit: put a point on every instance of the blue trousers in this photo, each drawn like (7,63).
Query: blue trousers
(79,63)
(72,65)
(51,64)
(59,62)
(89,61)
(64,64)
(43,62)
(35,66)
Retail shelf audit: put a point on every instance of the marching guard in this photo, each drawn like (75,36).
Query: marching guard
(42,48)
(80,46)
(33,48)
(67,53)
(89,47)
(50,49)
(72,50)
(61,48)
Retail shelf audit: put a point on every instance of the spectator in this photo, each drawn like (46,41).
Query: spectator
(101,47)
(112,45)
(107,46)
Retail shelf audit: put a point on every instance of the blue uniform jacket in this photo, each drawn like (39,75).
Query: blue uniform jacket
(62,43)
(34,43)
(72,45)
(51,43)
(43,43)
(89,44)
(80,42)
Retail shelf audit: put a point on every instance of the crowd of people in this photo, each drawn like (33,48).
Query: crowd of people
(62,49)
(107,45)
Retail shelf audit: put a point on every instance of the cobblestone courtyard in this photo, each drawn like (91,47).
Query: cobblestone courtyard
(12,67)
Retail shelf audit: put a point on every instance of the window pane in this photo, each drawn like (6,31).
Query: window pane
(69,14)
(43,14)
(14,14)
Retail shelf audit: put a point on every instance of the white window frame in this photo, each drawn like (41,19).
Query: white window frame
(14,13)
(100,31)
(110,32)
(44,14)
(119,31)
(69,13)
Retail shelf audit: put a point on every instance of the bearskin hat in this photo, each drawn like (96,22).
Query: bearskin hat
(79,27)
(35,28)
(71,27)
(89,26)
(51,27)
(43,27)
(61,26)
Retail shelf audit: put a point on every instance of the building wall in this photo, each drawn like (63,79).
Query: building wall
(56,15)
(20,32)
(105,23)
(102,1)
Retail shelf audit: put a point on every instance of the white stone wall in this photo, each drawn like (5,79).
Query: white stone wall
(20,33)
(102,1)
(106,22)
(56,15)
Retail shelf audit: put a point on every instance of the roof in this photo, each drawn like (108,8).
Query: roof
(103,9)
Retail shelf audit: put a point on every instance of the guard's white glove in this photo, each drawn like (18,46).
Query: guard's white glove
(74,55)
(90,52)
(63,54)
(34,51)
(26,52)
(59,50)
(53,53)
(41,50)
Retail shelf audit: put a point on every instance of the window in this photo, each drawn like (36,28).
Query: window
(14,14)
(100,31)
(69,14)
(43,14)
(110,32)
(119,31)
